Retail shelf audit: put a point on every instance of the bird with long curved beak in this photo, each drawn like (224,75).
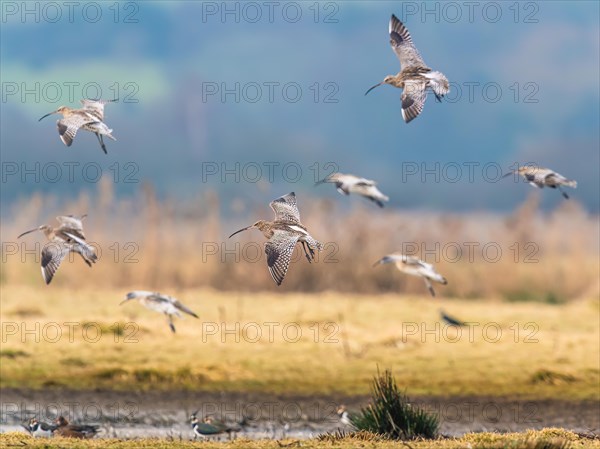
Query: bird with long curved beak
(543,177)
(283,233)
(89,118)
(347,184)
(67,237)
(160,303)
(414,77)
(415,267)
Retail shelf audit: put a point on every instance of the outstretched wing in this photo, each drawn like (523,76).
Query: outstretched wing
(68,126)
(183,308)
(95,107)
(72,224)
(279,251)
(413,99)
(286,208)
(53,254)
(403,45)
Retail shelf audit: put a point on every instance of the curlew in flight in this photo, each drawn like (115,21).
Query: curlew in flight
(544,177)
(66,238)
(347,184)
(283,233)
(89,118)
(415,267)
(414,77)
(160,303)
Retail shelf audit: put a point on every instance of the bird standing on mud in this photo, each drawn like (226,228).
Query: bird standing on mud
(347,184)
(544,177)
(414,77)
(415,267)
(66,238)
(89,118)
(160,303)
(283,233)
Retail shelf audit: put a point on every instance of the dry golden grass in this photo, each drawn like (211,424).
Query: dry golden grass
(560,361)
(152,244)
(543,439)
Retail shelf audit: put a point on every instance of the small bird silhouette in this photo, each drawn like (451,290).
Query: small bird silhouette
(451,320)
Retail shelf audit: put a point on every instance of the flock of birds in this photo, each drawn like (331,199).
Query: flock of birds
(285,231)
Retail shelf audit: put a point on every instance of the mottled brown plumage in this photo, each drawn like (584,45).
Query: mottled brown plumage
(415,77)
(282,234)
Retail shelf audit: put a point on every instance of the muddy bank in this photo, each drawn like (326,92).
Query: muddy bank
(134,414)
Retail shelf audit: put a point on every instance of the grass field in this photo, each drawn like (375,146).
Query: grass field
(300,343)
(546,439)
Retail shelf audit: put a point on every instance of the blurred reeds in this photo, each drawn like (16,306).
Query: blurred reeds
(149,243)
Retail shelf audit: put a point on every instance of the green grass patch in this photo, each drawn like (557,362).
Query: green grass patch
(391,414)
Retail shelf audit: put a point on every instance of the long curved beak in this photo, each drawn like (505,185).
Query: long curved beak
(125,300)
(370,89)
(378,262)
(49,113)
(508,174)
(28,232)
(237,232)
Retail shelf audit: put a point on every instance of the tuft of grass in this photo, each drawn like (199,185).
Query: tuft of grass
(392,415)
(545,376)
(344,435)
(13,353)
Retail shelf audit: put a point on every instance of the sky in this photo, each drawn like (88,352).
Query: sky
(256,99)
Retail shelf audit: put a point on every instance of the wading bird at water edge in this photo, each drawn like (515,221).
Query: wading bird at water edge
(347,184)
(89,118)
(544,177)
(414,77)
(415,267)
(81,431)
(160,303)
(40,429)
(210,426)
(283,233)
(66,238)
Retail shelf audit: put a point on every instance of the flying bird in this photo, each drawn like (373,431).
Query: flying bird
(415,267)
(89,118)
(415,77)
(160,303)
(450,319)
(347,184)
(543,177)
(67,237)
(81,431)
(283,233)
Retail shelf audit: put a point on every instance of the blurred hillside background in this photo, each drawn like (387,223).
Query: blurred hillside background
(191,164)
